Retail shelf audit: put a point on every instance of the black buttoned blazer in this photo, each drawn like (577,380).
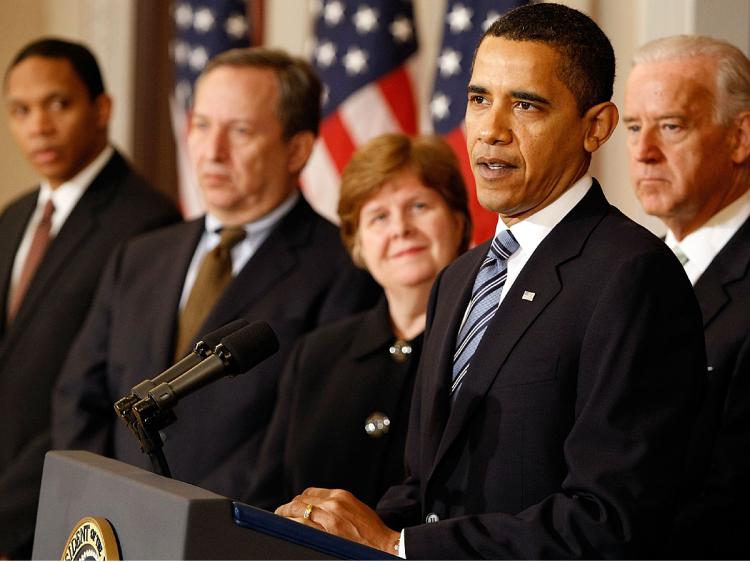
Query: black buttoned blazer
(299,278)
(336,377)
(569,434)
(117,205)
(715,522)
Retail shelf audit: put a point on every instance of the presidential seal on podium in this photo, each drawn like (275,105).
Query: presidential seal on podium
(93,538)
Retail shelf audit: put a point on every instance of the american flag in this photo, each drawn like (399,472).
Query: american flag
(364,52)
(203,29)
(465,21)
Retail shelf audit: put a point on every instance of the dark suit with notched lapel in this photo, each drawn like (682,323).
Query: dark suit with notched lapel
(569,434)
(299,277)
(715,523)
(117,205)
(336,377)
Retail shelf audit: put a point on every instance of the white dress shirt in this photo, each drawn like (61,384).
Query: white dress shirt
(530,232)
(702,246)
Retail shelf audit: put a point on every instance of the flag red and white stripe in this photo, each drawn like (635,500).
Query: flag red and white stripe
(365,55)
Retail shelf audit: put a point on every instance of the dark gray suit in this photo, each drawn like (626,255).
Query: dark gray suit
(298,279)
(715,523)
(569,434)
(117,205)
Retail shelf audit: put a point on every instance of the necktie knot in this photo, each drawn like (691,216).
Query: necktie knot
(47,212)
(504,245)
(680,255)
(230,236)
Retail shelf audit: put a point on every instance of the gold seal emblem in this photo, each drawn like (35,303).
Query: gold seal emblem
(91,539)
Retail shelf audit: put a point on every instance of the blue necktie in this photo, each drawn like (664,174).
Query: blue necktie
(484,301)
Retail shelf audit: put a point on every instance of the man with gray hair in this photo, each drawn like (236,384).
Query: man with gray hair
(687,113)
(260,253)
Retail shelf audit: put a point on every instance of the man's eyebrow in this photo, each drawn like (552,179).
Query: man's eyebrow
(678,116)
(46,99)
(473,89)
(520,94)
(530,96)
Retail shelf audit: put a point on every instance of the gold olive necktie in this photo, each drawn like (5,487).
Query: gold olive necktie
(214,275)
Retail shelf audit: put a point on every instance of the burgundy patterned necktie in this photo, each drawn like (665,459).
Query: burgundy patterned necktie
(37,250)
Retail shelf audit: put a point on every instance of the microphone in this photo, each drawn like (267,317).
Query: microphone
(202,350)
(236,353)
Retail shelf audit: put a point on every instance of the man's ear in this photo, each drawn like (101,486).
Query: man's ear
(741,138)
(103,105)
(300,148)
(600,120)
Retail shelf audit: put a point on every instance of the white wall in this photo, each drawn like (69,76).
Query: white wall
(19,24)
(107,26)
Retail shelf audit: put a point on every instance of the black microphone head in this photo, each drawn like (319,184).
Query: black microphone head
(212,339)
(249,346)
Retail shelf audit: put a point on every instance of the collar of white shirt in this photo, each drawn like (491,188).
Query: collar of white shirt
(255,230)
(256,233)
(702,245)
(66,195)
(532,230)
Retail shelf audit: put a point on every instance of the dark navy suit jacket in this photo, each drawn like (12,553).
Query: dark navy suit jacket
(569,435)
(715,522)
(117,205)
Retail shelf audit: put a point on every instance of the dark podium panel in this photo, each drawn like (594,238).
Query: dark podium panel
(157,518)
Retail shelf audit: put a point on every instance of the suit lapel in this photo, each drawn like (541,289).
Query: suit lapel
(731,264)
(171,274)
(276,257)
(443,330)
(514,316)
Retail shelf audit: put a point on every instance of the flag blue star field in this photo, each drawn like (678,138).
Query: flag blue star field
(364,52)
(465,22)
(203,29)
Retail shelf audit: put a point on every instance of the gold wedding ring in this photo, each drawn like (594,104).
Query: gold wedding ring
(308,511)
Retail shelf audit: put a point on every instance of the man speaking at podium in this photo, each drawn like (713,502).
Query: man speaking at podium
(555,423)
(260,253)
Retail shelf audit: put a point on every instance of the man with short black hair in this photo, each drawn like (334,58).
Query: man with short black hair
(54,242)
(564,359)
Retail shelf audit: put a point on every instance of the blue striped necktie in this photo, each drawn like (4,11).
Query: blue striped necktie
(484,301)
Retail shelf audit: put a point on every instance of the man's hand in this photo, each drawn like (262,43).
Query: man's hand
(338,512)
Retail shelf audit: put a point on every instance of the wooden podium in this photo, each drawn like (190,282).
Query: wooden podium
(157,518)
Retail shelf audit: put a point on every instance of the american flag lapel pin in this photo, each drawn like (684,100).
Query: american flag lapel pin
(528,296)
